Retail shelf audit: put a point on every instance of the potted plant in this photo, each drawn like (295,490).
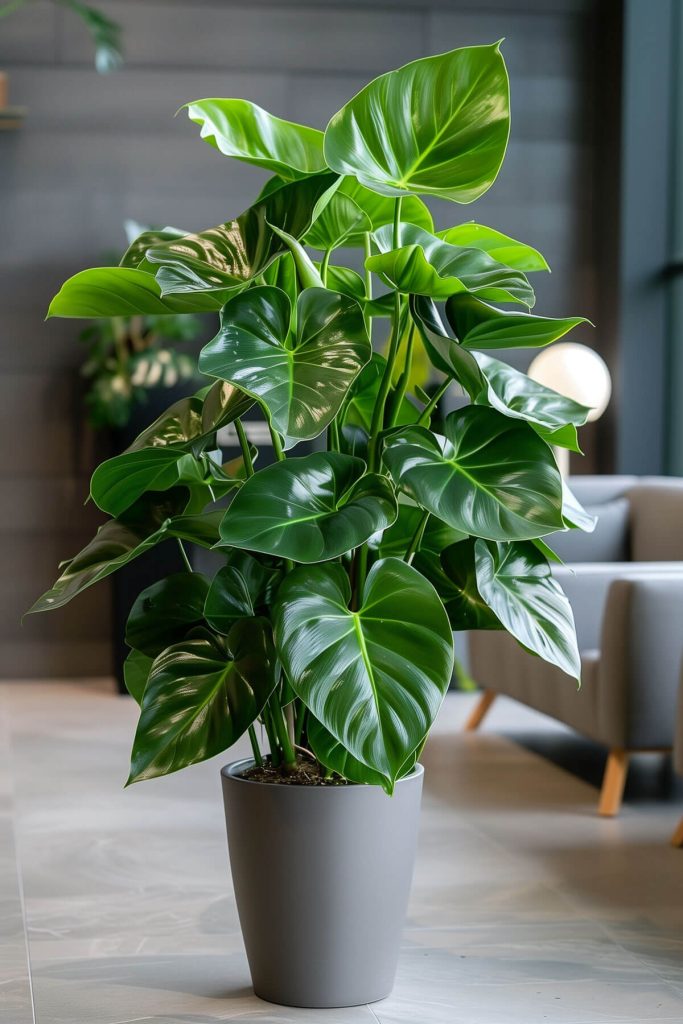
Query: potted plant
(326,636)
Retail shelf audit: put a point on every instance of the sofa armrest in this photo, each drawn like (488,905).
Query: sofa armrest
(640,660)
(587,586)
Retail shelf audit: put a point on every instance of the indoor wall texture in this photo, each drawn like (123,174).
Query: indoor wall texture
(95,150)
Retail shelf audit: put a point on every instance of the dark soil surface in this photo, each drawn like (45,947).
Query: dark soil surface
(306,773)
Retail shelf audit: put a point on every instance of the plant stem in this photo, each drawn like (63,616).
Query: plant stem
(277,444)
(432,404)
(399,392)
(281,731)
(183,552)
(275,758)
(258,760)
(324,265)
(244,445)
(416,540)
(299,722)
(333,436)
(368,283)
(359,570)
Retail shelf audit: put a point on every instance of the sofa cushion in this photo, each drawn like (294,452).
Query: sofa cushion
(609,541)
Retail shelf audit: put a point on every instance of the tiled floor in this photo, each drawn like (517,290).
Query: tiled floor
(526,907)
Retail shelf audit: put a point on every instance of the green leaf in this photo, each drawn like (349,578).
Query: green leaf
(246,132)
(240,589)
(395,540)
(516,582)
(135,253)
(499,246)
(122,291)
(163,613)
(514,394)
(334,756)
(136,670)
(117,483)
(201,696)
(380,209)
(362,397)
(375,677)
(480,326)
(489,476)
(300,382)
(190,422)
(444,352)
(309,509)
(228,257)
(339,221)
(452,574)
(425,265)
(152,519)
(438,126)
(574,514)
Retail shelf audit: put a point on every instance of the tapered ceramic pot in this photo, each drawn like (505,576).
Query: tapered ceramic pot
(322,876)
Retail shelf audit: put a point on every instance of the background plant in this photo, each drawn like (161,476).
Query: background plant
(346,569)
(105,33)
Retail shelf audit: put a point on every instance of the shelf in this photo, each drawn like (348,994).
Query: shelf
(11,118)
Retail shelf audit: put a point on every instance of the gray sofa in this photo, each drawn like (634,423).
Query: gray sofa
(677,838)
(625,585)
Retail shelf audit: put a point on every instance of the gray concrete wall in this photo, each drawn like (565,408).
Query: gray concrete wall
(95,150)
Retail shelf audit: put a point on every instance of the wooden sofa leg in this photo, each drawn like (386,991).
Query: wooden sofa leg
(613,782)
(677,837)
(479,711)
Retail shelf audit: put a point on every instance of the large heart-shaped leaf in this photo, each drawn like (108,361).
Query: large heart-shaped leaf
(122,291)
(191,421)
(136,669)
(480,326)
(163,613)
(514,394)
(246,132)
(152,519)
(380,209)
(229,256)
(499,246)
(374,677)
(444,352)
(516,582)
(438,126)
(300,381)
(330,752)
(242,588)
(201,695)
(117,483)
(309,509)
(135,253)
(489,476)
(453,576)
(426,265)
(395,541)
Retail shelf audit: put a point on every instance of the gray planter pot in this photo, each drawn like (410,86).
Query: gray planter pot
(322,877)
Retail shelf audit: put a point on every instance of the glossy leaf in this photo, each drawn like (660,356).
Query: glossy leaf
(339,221)
(151,520)
(362,397)
(499,246)
(380,209)
(228,257)
(309,509)
(452,574)
(334,756)
(245,131)
(437,126)
(163,613)
(301,385)
(240,589)
(395,541)
(374,677)
(122,291)
(135,253)
(426,265)
(489,476)
(136,669)
(189,422)
(201,696)
(516,583)
(119,482)
(480,326)
(573,512)
(444,352)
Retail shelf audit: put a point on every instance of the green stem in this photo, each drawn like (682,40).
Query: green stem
(368,282)
(256,750)
(272,737)
(299,722)
(429,408)
(282,733)
(277,443)
(244,445)
(399,392)
(333,436)
(324,265)
(416,540)
(359,570)
(183,552)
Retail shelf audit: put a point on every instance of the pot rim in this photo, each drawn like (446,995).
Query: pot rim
(229,771)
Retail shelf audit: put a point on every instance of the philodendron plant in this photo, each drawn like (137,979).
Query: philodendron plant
(327,632)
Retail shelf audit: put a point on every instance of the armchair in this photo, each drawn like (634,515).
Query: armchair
(625,585)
